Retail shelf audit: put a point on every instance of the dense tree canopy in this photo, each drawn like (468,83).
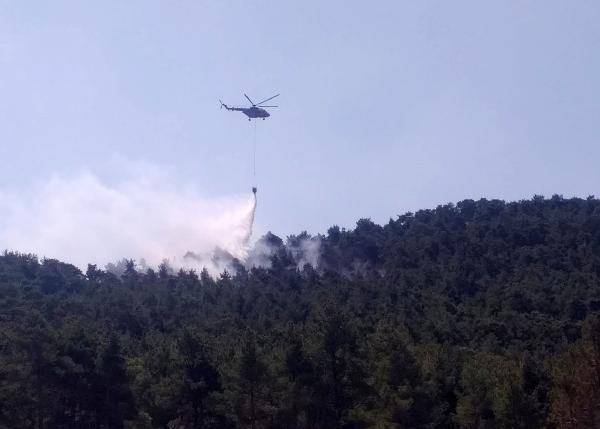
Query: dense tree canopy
(483,314)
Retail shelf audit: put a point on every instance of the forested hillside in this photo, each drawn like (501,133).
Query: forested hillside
(482,314)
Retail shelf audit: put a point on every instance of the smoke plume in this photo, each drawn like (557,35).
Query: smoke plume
(84,220)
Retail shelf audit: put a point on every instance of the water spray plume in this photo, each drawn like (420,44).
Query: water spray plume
(250,225)
(84,220)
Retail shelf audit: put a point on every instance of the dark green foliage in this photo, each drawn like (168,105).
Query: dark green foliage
(201,380)
(114,401)
(482,314)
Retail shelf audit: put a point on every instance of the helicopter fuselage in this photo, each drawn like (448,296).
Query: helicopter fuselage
(251,112)
(255,112)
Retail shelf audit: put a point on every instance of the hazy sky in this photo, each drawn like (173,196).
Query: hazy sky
(385,106)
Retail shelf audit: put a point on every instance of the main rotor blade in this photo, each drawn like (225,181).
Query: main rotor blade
(249,100)
(267,106)
(264,101)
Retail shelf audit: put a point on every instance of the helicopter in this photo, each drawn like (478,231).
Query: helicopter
(256,111)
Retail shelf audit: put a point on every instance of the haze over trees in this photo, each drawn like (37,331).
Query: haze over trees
(483,314)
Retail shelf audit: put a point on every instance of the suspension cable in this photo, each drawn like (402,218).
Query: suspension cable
(254,157)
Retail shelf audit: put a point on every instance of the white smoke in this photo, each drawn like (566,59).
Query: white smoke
(260,255)
(308,252)
(84,220)
(301,250)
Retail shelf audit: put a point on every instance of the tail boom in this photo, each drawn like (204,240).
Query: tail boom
(233,109)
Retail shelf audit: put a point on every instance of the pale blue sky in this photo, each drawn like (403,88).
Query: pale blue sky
(386,106)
